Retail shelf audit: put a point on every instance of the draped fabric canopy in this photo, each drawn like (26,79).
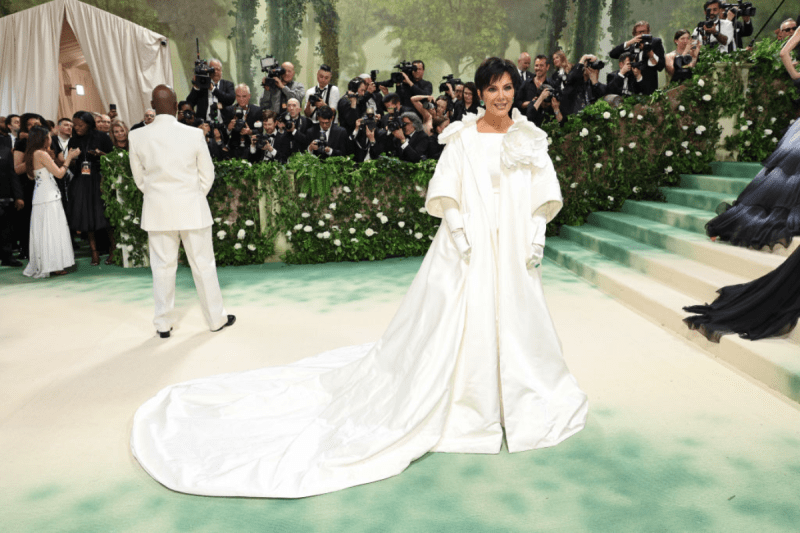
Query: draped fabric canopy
(49,49)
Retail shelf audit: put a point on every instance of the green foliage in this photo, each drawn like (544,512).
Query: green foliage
(123,202)
(327,17)
(242,34)
(283,24)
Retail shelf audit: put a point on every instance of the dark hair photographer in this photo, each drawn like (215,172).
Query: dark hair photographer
(647,56)
(715,29)
(582,86)
(627,80)
(546,107)
(353,105)
(325,138)
(413,83)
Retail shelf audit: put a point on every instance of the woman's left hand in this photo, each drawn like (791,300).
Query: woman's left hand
(537,253)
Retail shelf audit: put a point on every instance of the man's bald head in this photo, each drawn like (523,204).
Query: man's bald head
(164,101)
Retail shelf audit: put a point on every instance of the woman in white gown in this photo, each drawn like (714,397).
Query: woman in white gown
(471,350)
(50,249)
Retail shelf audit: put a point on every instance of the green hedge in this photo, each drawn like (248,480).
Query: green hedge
(338,210)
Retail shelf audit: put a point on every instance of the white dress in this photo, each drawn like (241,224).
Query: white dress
(50,245)
(471,350)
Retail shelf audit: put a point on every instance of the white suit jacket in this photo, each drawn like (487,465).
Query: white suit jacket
(173,169)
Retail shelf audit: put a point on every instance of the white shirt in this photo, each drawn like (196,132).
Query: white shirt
(63,142)
(212,100)
(726,29)
(332,101)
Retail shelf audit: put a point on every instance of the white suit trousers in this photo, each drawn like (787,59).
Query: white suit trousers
(164,263)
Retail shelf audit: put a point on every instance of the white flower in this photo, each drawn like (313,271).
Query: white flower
(747,143)
(319,235)
(639,117)
(681,108)
(130,247)
(699,130)
(401,209)
(584,132)
(606,115)
(668,170)
(573,185)
(767,132)
(598,165)
(621,149)
(632,146)
(636,190)
(401,224)
(781,93)
(221,234)
(358,215)
(760,109)
(772,120)
(684,128)
(791,121)
(379,214)
(375,201)
(327,216)
(305,215)
(237,246)
(352,230)
(549,141)
(623,113)
(422,210)
(307,229)
(120,246)
(418,235)
(430,237)
(320,223)
(701,82)
(126,217)
(332,206)
(743,127)
(610,198)
(774,139)
(688,152)
(298,227)
(369,232)
(353,240)
(217,220)
(249,223)
(668,153)
(384,220)
(289,234)
(326,234)
(524,144)
(136,220)
(346,189)
(706,97)
(418,188)
(241,234)
(685,144)
(597,137)
(251,247)
(699,154)
(558,158)
(302,195)
(337,242)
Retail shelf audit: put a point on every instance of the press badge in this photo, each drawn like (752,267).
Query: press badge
(86,168)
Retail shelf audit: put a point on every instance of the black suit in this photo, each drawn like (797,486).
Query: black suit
(281,145)
(237,149)
(338,140)
(406,92)
(578,92)
(417,148)
(224,93)
(528,92)
(615,84)
(525,76)
(10,190)
(138,125)
(649,82)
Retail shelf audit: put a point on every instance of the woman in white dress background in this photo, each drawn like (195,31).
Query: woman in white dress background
(471,351)
(50,246)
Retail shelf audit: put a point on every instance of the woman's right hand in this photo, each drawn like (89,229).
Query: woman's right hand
(73,153)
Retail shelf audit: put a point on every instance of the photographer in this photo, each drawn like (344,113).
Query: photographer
(627,80)
(715,30)
(219,93)
(410,142)
(468,104)
(647,56)
(437,126)
(280,89)
(683,59)
(186,114)
(322,95)
(741,20)
(294,125)
(353,104)
(430,109)
(325,138)
(267,144)
(531,87)
(786,29)
(414,85)
(364,137)
(582,87)
(215,139)
(546,107)
(239,120)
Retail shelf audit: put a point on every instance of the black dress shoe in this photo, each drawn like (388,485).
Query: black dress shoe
(164,334)
(10,262)
(231,320)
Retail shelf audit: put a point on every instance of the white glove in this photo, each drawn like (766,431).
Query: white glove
(536,257)
(456,226)
(539,226)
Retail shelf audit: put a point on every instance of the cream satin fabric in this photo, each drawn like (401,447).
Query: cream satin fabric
(464,337)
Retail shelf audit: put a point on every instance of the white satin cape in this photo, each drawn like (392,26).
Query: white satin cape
(472,348)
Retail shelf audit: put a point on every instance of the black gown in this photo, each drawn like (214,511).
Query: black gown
(87,210)
(767,212)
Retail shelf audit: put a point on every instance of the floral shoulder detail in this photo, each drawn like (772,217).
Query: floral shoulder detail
(524,143)
(451,131)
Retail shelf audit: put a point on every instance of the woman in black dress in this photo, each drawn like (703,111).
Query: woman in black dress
(87,213)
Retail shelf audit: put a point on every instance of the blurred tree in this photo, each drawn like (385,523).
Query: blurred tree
(620,21)
(242,33)
(5,8)
(360,20)
(326,16)
(555,13)
(524,24)
(587,27)
(284,25)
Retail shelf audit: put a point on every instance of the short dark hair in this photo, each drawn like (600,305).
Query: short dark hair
(542,56)
(419,62)
(680,33)
(325,67)
(391,97)
(325,112)
(492,69)
(9,118)
(25,117)
(625,55)
(355,83)
(710,2)
(183,103)
(64,119)
(87,117)
(269,114)
(50,124)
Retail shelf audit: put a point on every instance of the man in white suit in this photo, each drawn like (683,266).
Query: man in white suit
(173,169)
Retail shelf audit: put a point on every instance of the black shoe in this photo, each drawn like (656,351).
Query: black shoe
(231,320)
(164,334)
(10,262)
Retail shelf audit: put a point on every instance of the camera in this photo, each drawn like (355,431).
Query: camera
(596,65)
(394,123)
(742,9)
(321,143)
(396,78)
(261,139)
(451,80)
(554,93)
(288,122)
(188,116)
(202,70)
(239,124)
(368,121)
(316,97)
(272,70)
(682,70)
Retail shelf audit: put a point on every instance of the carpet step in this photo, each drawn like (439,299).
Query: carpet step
(677,216)
(773,362)
(749,264)
(736,170)
(719,184)
(705,200)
